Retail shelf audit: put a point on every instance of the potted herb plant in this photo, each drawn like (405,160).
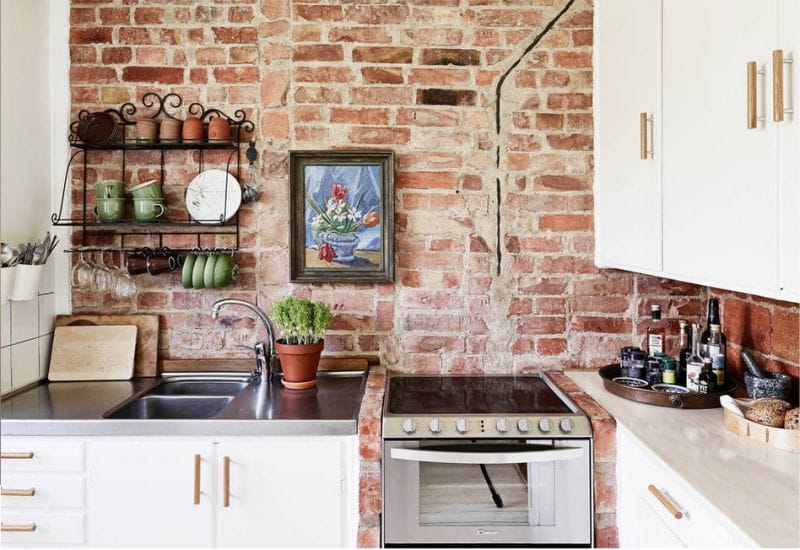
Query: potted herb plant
(302,324)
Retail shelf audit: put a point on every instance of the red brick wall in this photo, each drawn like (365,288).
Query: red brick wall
(371,75)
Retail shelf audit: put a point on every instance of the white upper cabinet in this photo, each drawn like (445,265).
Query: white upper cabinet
(722,194)
(628,118)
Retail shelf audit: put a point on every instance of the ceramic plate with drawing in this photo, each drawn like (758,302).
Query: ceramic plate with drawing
(205,197)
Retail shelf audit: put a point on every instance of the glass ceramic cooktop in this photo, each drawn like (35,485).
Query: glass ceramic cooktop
(425,395)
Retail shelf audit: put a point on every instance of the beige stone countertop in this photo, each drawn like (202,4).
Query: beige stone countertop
(755,486)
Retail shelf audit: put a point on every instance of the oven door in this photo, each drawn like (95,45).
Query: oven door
(487,492)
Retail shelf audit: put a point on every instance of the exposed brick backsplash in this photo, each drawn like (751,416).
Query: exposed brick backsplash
(419,78)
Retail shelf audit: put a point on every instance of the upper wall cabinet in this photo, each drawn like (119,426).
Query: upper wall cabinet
(628,112)
(720,192)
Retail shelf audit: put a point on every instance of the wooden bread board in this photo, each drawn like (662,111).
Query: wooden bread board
(92,353)
(785,440)
(146,358)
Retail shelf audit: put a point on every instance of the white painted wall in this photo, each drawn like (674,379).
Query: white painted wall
(34,121)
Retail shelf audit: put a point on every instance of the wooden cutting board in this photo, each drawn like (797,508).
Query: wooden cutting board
(146,359)
(93,353)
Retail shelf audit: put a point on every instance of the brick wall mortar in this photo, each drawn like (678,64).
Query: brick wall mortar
(352,75)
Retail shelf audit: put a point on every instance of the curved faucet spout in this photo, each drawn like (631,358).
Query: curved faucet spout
(264,350)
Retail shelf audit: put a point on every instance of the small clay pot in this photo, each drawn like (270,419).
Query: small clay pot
(193,129)
(299,363)
(170,131)
(219,129)
(146,130)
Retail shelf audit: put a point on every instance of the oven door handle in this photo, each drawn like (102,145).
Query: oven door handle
(459,457)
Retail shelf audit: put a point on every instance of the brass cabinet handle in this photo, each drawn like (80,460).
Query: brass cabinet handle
(778,110)
(677,514)
(16,455)
(752,95)
(643,135)
(18,492)
(226,481)
(197,463)
(645,152)
(18,527)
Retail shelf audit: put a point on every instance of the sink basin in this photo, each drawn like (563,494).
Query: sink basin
(189,397)
(173,406)
(199,387)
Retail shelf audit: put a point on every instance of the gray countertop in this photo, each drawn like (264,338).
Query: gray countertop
(77,408)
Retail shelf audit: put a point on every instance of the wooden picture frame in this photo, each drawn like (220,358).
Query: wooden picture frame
(341,216)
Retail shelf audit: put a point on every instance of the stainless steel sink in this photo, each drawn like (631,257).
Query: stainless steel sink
(184,397)
(182,386)
(173,406)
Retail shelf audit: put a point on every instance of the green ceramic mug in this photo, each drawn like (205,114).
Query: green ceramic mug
(147,210)
(146,190)
(109,189)
(110,210)
(225,271)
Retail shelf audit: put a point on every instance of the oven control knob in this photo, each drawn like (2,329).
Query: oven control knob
(502,425)
(565,425)
(462,425)
(435,426)
(409,426)
(522,425)
(544,425)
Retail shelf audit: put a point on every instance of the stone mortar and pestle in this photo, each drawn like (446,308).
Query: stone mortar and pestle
(761,383)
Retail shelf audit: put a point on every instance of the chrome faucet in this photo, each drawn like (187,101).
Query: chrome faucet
(265,351)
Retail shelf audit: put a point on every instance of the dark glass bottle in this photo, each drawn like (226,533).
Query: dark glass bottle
(716,351)
(656,333)
(684,351)
(712,319)
(707,382)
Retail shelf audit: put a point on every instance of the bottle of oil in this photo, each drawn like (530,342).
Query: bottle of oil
(694,365)
(707,382)
(656,333)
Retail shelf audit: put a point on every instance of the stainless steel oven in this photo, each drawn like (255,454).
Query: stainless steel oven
(501,461)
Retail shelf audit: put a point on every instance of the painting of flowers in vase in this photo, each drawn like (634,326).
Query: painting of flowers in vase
(342,216)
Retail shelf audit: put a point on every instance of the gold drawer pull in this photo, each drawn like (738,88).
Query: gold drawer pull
(226,481)
(197,462)
(677,514)
(18,492)
(16,455)
(18,527)
(778,109)
(752,95)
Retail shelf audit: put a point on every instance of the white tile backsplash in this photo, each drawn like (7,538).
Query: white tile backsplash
(5,369)
(24,320)
(47,304)
(5,325)
(45,344)
(25,363)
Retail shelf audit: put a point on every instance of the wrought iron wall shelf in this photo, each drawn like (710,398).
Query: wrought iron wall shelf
(155,105)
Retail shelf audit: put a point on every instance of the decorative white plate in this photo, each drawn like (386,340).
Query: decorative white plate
(670,388)
(205,197)
(629,381)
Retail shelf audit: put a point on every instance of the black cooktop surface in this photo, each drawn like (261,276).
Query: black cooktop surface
(427,395)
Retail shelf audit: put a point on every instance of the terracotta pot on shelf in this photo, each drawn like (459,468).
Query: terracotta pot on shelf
(299,363)
(219,129)
(193,130)
(170,131)
(146,130)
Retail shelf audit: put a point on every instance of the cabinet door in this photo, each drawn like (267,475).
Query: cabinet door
(627,83)
(720,178)
(282,493)
(143,494)
(789,133)
(651,531)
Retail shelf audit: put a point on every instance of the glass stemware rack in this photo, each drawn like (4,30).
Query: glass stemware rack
(179,234)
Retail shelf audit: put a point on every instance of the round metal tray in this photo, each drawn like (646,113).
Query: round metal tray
(651,397)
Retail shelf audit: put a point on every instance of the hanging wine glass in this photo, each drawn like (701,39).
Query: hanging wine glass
(82,273)
(124,288)
(101,277)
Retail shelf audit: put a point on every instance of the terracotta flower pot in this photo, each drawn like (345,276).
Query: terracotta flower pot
(299,363)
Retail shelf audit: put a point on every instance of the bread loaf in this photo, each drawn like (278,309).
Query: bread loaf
(768,411)
(792,419)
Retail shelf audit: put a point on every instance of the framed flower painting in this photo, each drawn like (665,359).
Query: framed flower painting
(342,216)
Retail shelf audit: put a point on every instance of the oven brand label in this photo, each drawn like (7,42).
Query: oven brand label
(486,532)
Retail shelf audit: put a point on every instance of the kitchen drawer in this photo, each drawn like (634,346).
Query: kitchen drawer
(50,490)
(697,527)
(35,454)
(60,528)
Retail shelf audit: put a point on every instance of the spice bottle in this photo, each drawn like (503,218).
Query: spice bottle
(694,364)
(716,352)
(707,381)
(653,371)
(669,368)
(638,365)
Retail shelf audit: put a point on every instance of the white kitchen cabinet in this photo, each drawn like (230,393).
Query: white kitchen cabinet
(645,521)
(282,493)
(627,146)
(725,203)
(142,493)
